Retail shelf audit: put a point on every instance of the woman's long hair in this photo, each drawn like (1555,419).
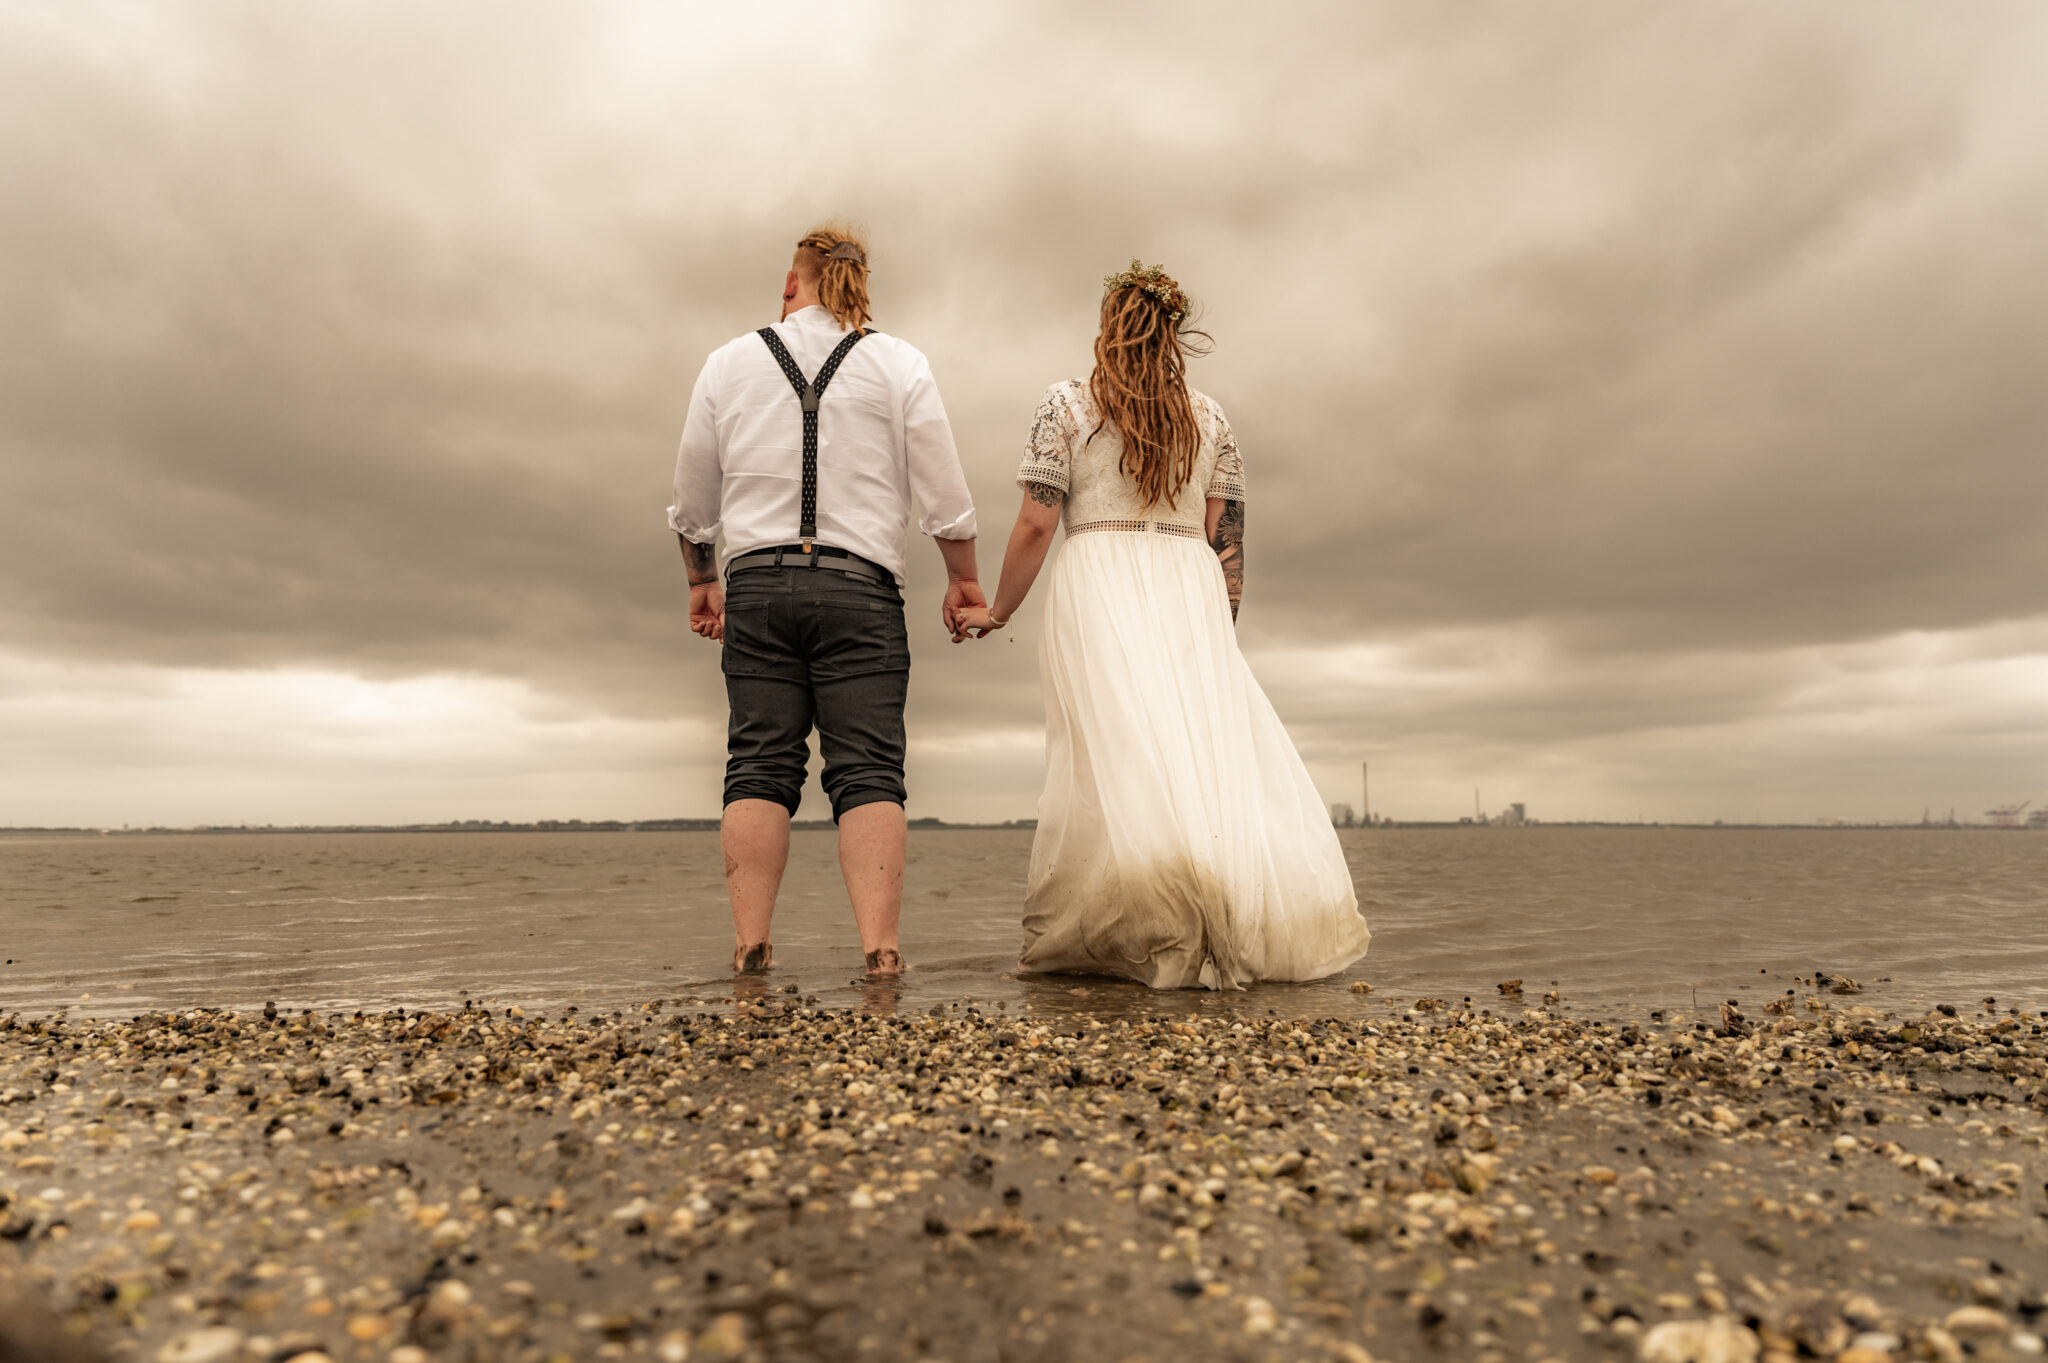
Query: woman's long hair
(1140,380)
(837,258)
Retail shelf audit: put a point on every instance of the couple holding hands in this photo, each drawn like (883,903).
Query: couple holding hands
(1180,841)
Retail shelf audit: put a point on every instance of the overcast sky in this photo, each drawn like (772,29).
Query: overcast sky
(1643,405)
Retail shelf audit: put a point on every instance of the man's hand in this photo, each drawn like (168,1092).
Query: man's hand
(961,595)
(707,598)
(707,610)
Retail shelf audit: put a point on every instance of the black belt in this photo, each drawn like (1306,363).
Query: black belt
(796,556)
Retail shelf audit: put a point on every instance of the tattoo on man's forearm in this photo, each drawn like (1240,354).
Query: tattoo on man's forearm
(700,561)
(1045,494)
(1229,547)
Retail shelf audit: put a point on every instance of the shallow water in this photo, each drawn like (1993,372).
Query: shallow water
(1618,921)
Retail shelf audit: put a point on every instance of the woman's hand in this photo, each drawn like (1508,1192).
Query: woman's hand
(974,622)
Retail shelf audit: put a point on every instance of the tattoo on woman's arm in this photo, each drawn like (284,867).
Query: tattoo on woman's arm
(700,561)
(1045,494)
(1229,547)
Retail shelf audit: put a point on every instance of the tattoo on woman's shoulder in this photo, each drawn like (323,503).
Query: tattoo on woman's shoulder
(1045,494)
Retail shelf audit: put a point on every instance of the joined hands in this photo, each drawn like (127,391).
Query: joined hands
(963,596)
(975,622)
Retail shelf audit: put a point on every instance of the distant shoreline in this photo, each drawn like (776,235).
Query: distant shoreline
(1013,825)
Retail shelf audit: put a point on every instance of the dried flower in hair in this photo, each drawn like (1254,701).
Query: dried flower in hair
(1154,281)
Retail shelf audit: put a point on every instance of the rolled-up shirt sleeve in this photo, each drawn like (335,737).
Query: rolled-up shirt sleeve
(945,507)
(695,514)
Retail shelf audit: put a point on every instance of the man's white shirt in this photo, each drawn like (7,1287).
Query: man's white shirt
(882,438)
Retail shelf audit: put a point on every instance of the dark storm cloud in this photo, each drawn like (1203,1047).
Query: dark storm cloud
(359,337)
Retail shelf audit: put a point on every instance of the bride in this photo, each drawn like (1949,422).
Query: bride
(1180,841)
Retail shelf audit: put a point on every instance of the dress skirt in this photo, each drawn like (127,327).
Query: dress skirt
(1180,841)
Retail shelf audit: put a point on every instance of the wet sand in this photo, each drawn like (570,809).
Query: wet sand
(770,1181)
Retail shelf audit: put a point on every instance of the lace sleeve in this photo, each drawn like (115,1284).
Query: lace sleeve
(1227,479)
(1046,452)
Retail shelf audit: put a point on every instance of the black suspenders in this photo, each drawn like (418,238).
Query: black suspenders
(808,392)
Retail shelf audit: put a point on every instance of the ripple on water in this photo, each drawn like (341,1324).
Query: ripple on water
(1614,919)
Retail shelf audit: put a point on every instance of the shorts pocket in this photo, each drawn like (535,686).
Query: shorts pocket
(757,642)
(858,634)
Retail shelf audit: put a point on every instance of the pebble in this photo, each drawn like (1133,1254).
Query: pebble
(216,1344)
(1700,1341)
(1970,1322)
(727,1337)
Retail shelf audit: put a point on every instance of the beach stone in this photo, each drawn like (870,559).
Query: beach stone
(407,1353)
(1856,1353)
(1972,1321)
(450,1294)
(673,1347)
(1474,1173)
(727,1337)
(1700,1341)
(215,1344)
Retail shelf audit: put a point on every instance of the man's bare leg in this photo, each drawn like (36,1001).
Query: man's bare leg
(755,836)
(871,849)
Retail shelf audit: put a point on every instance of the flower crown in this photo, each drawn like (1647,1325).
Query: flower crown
(1153,280)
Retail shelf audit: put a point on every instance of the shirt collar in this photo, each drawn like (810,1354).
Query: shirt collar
(816,315)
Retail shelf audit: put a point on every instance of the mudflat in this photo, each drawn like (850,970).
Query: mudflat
(772,1181)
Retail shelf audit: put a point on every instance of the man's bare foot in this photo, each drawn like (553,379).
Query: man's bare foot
(752,960)
(885,961)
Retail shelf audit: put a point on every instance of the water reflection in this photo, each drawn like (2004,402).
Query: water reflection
(880,995)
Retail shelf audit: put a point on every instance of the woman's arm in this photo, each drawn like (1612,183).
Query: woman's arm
(1226,537)
(1030,538)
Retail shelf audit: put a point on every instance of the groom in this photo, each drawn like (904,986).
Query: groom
(803,445)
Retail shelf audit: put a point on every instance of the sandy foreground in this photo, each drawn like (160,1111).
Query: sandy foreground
(768,1181)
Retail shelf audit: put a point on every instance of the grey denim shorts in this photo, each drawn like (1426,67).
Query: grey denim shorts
(814,647)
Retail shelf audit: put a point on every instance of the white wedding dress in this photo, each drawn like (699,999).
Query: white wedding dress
(1180,841)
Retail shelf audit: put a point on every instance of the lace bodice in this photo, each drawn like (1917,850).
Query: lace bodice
(1099,495)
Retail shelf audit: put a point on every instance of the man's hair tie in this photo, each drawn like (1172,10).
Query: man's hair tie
(848,250)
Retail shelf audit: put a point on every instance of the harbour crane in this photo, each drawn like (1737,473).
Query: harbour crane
(2007,816)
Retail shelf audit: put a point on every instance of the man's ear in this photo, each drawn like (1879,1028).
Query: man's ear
(789,286)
